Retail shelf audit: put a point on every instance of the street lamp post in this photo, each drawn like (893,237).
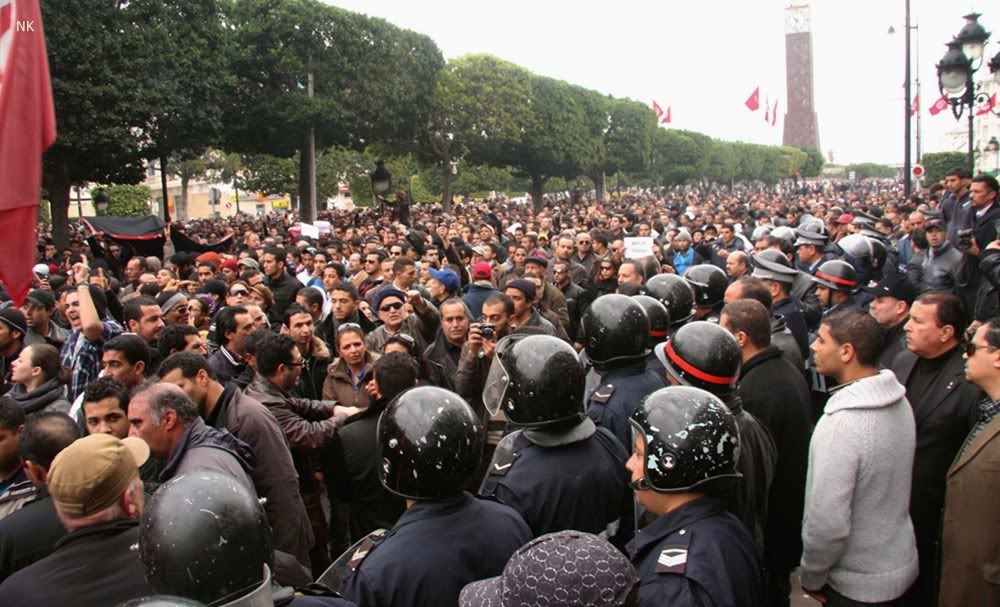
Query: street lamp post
(101,201)
(955,72)
(993,147)
(381,181)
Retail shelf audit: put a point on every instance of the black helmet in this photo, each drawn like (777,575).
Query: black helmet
(161,600)
(773,265)
(675,294)
(709,284)
(690,438)
(813,233)
(659,318)
(536,380)
(865,254)
(615,328)
(837,275)
(430,442)
(205,536)
(704,355)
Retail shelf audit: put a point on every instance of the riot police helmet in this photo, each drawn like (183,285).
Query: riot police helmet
(659,318)
(837,275)
(704,355)
(615,330)
(675,294)
(709,283)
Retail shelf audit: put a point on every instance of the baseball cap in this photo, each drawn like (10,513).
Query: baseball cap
(42,299)
(230,263)
(482,271)
(896,286)
(14,318)
(249,263)
(564,568)
(537,260)
(92,473)
(448,279)
(845,219)
(935,224)
(42,269)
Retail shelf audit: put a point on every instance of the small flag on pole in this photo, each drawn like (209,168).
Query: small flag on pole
(774,113)
(939,106)
(666,117)
(753,101)
(916,105)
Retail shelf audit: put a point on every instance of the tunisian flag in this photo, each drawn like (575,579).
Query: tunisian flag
(987,107)
(753,101)
(666,117)
(657,110)
(939,106)
(27,129)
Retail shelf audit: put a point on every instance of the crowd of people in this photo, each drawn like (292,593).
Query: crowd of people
(686,396)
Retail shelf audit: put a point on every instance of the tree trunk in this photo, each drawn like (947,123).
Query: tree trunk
(57,185)
(598,185)
(537,185)
(446,193)
(181,209)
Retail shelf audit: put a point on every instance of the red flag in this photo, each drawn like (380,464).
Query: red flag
(916,105)
(753,101)
(657,109)
(767,110)
(666,117)
(939,106)
(27,129)
(991,103)
(774,113)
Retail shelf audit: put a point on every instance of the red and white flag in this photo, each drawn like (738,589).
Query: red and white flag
(27,129)
(657,110)
(988,106)
(916,105)
(666,117)
(939,106)
(774,113)
(753,101)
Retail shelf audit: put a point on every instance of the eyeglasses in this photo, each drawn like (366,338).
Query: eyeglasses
(972,347)
(371,261)
(239,292)
(348,326)
(392,306)
(607,268)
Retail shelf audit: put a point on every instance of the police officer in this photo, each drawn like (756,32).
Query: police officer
(810,252)
(429,445)
(706,356)
(659,329)
(675,294)
(695,553)
(867,255)
(773,267)
(205,537)
(709,284)
(558,470)
(836,281)
(616,330)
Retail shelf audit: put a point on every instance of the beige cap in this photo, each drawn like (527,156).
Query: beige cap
(93,472)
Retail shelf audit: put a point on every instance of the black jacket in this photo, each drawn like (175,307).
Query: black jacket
(758,457)
(94,566)
(284,290)
(439,352)
(787,416)
(28,535)
(893,342)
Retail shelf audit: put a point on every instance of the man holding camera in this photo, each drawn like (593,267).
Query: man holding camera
(978,227)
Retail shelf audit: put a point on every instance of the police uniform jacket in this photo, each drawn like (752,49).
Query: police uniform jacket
(433,551)
(791,311)
(757,463)
(620,391)
(697,555)
(570,480)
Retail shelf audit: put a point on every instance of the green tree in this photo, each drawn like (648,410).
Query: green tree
(814,162)
(939,164)
(680,156)
(865,170)
(125,200)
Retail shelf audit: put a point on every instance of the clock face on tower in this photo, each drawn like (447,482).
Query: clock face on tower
(796,19)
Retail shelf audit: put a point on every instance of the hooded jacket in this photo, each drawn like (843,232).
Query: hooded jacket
(202,447)
(856,531)
(50,396)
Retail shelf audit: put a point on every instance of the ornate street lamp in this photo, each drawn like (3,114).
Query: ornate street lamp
(955,71)
(101,201)
(973,37)
(995,66)
(381,180)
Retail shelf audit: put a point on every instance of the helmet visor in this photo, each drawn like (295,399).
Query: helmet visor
(498,380)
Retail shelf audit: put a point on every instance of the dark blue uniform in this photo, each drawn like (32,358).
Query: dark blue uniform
(577,485)
(433,551)
(791,311)
(620,392)
(697,555)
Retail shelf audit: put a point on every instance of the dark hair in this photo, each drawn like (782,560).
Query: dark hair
(858,328)
(279,253)
(311,295)
(993,331)
(143,264)
(273,350)
(225,322)
(948,310)
(11,414)
(751,317)
(133,309)
(755,289)
(189,363)
(636,265)
(46,358)
(501,298)
(395,373)
(174,339)
(252,339)
(402,263)
(337,267)
(105,387)
(959,172)
(149,289)
(919,238)
(45,434)
(132,346)
(348,288)
(989,180)
(292,310)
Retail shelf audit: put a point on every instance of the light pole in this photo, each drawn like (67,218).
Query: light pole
(993,147)
(955,72)
(381,181)
(101,201)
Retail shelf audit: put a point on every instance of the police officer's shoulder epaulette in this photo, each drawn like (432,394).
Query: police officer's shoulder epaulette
(673,557)
(603,394)
(366,546)
(19,491)
(505,454)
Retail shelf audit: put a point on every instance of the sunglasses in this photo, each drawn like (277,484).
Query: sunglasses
(239,292)
(371,261)
(392,306)
(609,268)
(347,326)
(972,347)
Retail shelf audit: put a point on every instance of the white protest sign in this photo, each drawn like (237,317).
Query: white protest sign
(638,247)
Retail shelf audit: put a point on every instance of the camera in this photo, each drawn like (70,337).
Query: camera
(964,239)
(488,331)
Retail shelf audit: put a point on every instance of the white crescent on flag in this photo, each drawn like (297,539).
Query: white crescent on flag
(7,20)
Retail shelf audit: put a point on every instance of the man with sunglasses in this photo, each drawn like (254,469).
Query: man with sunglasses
(390,305)
(971,526)
(944,407)
(373,268)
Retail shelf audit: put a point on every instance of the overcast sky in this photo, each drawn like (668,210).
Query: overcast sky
(704,59)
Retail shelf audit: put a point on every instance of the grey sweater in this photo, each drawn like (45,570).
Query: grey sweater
(856,534)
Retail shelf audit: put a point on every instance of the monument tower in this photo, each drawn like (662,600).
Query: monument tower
(801,127)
